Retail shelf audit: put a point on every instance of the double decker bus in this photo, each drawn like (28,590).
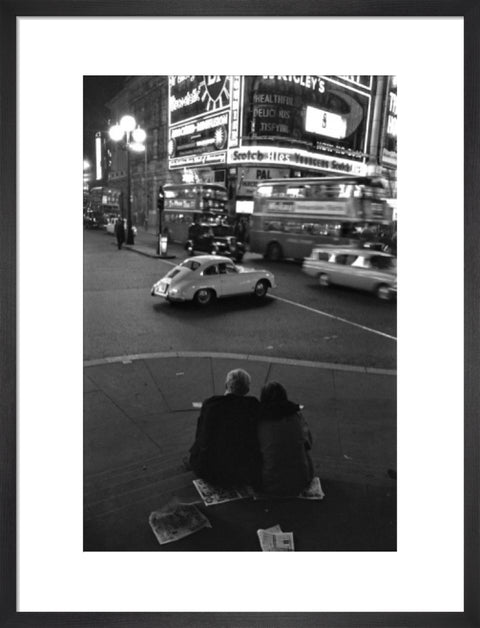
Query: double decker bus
(186,203)
(102,205)
(291,216)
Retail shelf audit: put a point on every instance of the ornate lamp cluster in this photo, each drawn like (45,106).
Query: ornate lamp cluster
(132,138)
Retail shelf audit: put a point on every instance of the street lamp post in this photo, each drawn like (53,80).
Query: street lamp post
(132,138)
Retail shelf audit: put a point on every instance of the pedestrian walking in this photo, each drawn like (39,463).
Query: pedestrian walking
(120,232)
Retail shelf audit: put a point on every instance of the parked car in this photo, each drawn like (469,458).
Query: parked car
(363,269)
(216,240)
(203,278)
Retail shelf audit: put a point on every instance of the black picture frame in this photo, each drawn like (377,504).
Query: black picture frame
(9,11)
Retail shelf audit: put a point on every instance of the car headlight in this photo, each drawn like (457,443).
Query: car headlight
(173,291)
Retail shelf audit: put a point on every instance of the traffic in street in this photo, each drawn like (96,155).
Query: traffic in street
(299,319)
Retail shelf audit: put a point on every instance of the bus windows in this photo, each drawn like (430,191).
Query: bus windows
(265,190)
(296,191)
(312,209)
(186,203)
(273,225)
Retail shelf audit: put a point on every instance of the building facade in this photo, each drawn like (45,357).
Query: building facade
(237,130)
(144,97)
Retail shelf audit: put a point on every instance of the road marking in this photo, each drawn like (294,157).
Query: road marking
(337,318)
(372,370)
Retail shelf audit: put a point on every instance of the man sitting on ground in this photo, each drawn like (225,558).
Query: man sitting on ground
(225,451)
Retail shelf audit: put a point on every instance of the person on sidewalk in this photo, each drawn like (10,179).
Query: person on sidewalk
(120,232)
(285,441)
(225,451)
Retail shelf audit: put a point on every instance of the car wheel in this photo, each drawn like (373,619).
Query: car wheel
(323,280)
(274,252)
(383,292)
(261,289)
(204,296)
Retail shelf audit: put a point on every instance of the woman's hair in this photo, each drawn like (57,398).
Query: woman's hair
(238,382)
(273,392)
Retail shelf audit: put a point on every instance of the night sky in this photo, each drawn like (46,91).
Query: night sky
(97,90)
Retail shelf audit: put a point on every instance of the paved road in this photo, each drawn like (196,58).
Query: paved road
(300,320)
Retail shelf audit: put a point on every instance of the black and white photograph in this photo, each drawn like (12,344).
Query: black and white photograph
(239,316)
(212,344)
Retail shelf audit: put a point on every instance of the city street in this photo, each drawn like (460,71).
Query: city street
(148,365)
(299,320)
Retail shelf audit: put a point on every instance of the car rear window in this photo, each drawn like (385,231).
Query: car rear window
(222,231)
(190,264)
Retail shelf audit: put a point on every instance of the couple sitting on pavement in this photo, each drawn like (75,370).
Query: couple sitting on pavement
(240,441)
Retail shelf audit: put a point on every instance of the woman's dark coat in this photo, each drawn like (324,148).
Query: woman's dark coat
(285,441)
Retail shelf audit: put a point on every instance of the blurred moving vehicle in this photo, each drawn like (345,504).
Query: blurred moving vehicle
(292,215)
(362,269)
(214,239)
(203,278)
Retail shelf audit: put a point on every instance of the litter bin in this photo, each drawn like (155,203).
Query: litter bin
(163,245)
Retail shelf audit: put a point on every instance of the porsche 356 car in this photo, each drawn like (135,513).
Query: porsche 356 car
(203,278)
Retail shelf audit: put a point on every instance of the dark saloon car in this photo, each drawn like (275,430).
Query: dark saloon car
(214,240)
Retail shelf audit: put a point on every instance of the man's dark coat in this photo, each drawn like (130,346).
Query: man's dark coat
(225,451)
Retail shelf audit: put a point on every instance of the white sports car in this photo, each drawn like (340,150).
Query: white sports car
(205,277)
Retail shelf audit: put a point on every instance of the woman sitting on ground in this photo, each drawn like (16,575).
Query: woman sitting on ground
(285,441)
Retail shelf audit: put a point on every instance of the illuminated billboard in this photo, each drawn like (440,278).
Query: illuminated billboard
(389,150)
(198,109)
(324,114)
(316,123)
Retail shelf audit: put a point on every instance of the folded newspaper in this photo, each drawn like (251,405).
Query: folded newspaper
(176,520)
(212,495)
(275,540)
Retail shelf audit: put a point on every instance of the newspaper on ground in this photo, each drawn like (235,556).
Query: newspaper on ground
(275,540)
(212,495)
(176,520)
(314,491)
